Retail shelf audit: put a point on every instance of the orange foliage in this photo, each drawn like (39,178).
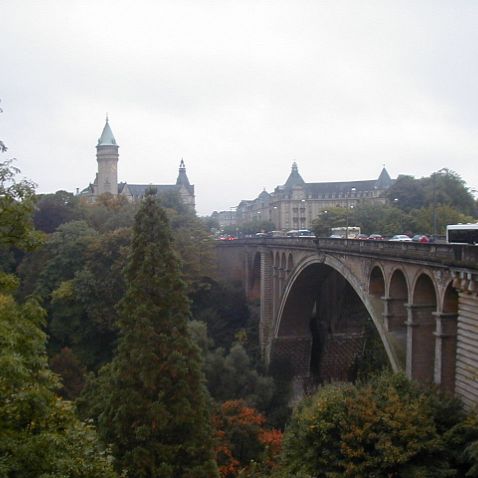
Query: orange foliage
(233,415)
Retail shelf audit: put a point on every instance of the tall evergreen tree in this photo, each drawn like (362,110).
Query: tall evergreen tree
(156,412)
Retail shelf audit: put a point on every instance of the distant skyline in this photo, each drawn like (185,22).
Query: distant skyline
(240,90)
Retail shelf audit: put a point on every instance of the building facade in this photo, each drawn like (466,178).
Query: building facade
(225,218)
(295,204)
(106,180)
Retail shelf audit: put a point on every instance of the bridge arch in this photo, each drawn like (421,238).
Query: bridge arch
(449,305)
(398,286)
(376,288)
(300,301)
(396,313)
(423,289)
(376,285)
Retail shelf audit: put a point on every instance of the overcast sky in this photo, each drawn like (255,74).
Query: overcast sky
(239,89)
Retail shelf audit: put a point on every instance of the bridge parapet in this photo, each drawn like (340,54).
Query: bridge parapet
(451,255)
(454,255)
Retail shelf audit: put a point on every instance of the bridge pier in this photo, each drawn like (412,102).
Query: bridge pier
(266,325)
(445,350)
(420,344)
(276,289)
(394,314)
(466,380)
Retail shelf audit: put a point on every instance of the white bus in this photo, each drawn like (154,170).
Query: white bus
(350,232)
(300,233)
(462,234)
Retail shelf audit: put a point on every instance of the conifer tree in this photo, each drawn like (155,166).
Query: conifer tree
(156,412)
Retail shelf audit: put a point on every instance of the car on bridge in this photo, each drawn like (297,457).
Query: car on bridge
(375,237)
(401,238)
(226,238)
(421,238)
(276,234)
(300,233)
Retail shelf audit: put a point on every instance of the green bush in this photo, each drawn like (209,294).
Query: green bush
(389,427)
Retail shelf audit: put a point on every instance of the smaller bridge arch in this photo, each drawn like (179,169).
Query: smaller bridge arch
(376,288)
(376,285)
(420,329)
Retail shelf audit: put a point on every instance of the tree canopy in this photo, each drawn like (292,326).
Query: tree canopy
(413,206)
(387,427)
(17,203)
(39,432)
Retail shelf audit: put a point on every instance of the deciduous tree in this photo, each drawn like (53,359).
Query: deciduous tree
(39,433)
(244,447)
(389,427)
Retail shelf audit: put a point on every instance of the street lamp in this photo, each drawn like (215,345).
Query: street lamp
(302,220)
(352,190)
(395,203)
(323,224)
(275,217)
(434,205)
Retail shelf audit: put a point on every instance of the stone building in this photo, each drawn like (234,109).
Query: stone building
(106,180)
(295,204)
(225,218)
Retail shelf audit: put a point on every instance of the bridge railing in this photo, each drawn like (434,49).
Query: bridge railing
(457,255)
(281,242)
(448,254)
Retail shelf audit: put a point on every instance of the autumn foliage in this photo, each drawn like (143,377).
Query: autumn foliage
(242,441)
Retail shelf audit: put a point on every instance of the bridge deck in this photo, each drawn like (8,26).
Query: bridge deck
(448,255)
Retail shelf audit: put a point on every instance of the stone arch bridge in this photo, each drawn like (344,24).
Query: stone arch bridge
(320,298)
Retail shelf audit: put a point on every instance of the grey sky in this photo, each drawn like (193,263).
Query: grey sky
(240,89)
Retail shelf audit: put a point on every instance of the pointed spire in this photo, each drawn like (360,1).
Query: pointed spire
(107,138)
(182,176)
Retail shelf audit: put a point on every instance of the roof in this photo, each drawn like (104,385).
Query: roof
(341,186)
(294,179)
(107,138)
(384,181)
(139,190)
